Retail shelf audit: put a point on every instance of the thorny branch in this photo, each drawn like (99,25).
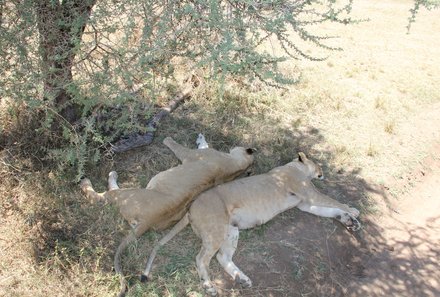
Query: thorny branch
(143,139)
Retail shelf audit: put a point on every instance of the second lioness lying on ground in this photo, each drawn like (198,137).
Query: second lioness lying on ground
(218,214)
(165,199)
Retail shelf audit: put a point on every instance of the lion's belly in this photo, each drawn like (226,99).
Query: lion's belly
(258,213)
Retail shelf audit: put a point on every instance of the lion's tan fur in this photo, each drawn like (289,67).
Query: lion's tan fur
(165,199)
(217,214)
(166,195)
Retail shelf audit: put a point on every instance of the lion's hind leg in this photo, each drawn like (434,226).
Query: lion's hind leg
(91,194)
(210,221)
(208,250)
(225,254)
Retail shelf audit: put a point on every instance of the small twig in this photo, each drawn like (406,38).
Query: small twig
(7,164)
(330,262)
(95,47)
(328,251)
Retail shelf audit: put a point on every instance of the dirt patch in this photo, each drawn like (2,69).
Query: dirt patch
(405,261)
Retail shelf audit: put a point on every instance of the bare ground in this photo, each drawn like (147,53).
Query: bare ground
(406,259)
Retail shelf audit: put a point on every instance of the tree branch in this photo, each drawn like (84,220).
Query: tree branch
(142,139)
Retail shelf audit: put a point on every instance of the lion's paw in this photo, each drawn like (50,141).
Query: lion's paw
(355,225)
(167,140)
(85,183)
(201,142)
(243,280)
(113,175)
(209,288)
(354,212)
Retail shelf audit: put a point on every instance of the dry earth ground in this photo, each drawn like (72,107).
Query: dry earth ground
(405,248)
(369,114)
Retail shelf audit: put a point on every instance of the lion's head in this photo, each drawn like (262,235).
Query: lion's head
(243,154)
(310,168)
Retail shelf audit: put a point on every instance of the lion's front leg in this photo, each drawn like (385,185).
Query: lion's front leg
(346,217)
(182,153)
(201,142)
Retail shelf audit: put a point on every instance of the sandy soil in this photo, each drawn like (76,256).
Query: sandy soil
(406,260)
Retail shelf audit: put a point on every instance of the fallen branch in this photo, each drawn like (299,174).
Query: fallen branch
(142,139)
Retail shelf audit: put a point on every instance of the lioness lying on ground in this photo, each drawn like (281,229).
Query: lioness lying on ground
(217,214)
(164,201)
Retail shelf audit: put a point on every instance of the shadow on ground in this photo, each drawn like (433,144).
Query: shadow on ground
(405,265)
(296,254)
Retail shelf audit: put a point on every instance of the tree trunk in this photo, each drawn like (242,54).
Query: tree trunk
(61,25)
(2,3)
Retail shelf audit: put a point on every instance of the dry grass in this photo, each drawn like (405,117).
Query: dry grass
(367,114)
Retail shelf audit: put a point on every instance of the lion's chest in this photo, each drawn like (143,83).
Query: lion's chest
(257,213)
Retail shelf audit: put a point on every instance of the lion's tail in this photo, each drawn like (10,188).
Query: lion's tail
(173,232)
(87,188)
(117,261)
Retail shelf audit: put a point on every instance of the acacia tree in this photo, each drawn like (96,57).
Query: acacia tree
(69,58)
(221,34)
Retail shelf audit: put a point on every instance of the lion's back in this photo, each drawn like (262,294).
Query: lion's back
(192,177)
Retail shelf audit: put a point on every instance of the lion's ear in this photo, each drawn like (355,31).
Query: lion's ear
(250,151)
(302,157)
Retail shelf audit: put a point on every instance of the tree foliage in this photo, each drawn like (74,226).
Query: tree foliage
(65,60)
(127,44)
(428,4)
